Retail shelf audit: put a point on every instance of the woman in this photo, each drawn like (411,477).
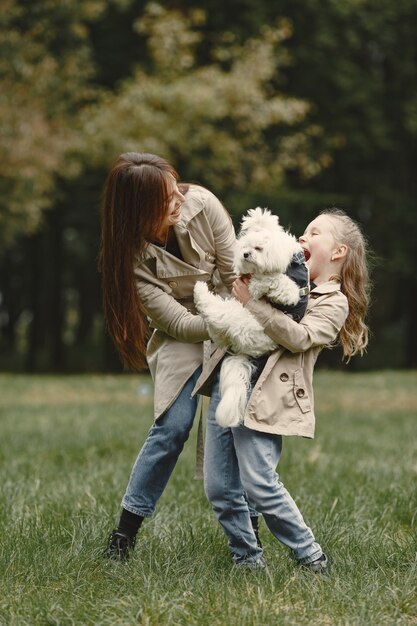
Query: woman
(158,239)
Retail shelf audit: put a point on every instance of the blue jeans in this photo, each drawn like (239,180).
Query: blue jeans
(241,461)
(159,454)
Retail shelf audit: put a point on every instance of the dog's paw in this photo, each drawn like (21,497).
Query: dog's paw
(226,420)
(285,291)
(220,339)
(200,288)
(201,293)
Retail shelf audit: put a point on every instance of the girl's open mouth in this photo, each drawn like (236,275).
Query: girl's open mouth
(307,254)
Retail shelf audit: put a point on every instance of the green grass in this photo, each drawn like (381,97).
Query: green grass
(67,445)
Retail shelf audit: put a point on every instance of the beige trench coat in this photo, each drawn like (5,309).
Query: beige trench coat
(282,400)
(165,285)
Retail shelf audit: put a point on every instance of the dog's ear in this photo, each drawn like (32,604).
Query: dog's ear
(259,219)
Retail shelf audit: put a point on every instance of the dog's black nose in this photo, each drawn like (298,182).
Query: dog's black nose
(246,255)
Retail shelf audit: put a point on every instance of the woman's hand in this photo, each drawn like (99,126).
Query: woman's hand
(240,289)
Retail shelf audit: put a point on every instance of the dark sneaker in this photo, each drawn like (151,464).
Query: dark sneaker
(251,565)
(319,566)
(119,546)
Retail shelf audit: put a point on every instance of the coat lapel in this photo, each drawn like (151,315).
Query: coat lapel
(189,248)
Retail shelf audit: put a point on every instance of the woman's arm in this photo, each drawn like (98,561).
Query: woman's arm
(168,315)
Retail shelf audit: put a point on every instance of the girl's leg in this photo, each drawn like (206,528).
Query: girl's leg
(224,489)
(160,452)
(258,455)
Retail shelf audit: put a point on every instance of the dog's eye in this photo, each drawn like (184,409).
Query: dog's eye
(258,248)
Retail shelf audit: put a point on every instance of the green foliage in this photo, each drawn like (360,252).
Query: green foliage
(45,71)
(67,446)
(293,105)
(222,123)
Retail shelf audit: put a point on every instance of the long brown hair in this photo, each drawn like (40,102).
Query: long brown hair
(354,282)
(135,201)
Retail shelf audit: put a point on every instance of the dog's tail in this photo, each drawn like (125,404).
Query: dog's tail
(235,375)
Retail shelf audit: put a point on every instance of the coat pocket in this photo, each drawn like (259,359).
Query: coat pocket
(300,392)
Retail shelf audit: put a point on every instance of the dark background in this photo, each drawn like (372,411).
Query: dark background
(63,76)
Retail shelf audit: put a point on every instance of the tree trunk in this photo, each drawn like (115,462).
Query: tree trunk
(55,288)
(411,329)
(34,292)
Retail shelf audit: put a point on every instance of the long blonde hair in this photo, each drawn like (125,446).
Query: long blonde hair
(354,282)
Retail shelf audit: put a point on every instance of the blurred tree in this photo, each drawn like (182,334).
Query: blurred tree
(355,62)
(45,78)
(222,123)
(82,81)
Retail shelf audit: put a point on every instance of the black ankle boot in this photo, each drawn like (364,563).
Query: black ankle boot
(119,546)
(255,526)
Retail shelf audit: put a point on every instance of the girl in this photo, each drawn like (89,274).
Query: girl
(244,458)
(158,239)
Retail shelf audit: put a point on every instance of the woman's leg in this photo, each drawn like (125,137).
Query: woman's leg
(160,452)
(224,489)
(258,455)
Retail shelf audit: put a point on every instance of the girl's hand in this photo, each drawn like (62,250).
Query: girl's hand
(240,289)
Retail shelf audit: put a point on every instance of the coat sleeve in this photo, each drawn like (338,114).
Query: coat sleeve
(319,327)
(224,238)
(168,315)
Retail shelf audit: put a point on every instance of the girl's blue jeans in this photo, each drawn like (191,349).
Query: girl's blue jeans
(239,470)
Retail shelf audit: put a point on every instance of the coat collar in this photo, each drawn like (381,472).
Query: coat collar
(162,263)
(325,288)
(192,206)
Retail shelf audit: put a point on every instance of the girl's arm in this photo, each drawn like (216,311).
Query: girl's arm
(168,315)
(319,327)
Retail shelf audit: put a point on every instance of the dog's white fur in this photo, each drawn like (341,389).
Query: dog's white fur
(264,250)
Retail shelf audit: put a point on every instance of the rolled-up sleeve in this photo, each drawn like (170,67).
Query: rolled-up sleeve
(319,327)
(170,316)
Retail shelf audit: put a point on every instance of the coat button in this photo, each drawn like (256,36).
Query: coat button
(172,284)
(300,393)
(284,377)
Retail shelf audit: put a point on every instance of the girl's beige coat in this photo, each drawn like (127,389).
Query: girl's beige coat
(282,400)
(165,284)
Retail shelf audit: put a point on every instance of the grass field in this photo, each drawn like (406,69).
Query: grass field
(66,448)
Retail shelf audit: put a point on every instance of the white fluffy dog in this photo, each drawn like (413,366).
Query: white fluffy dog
(264,250)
